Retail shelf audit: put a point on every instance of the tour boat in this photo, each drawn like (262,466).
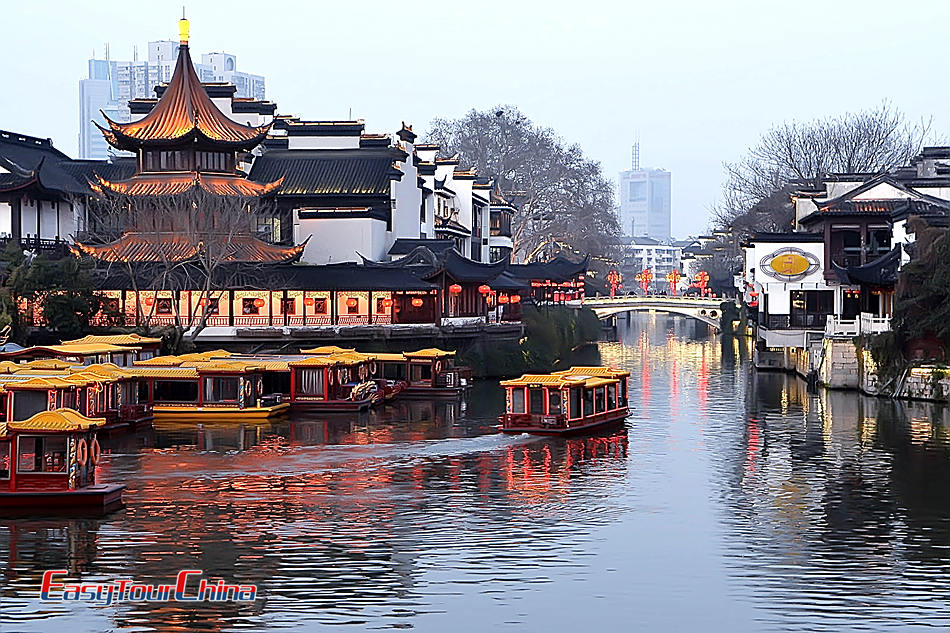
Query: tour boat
(198,387)
(338,381)
(574,401)
(428,372)
(103,391)
(48,465)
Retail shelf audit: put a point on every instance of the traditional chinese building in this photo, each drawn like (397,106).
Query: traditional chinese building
(350,228)
(835,275)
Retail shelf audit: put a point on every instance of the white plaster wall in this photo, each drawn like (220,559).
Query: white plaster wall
(341,239)
(408,199)
(428,227)
(67,224)
(28,217)
(938,192)
(323,142)
(883,191)
(899,236)
(49,220)
(6,219)
(836,189)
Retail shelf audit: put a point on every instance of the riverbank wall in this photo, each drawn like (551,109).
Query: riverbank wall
(841,362)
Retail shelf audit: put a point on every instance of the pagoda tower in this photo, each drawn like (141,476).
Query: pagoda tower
(185,148)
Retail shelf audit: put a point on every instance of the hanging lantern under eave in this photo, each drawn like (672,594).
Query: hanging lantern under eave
(308,301)
(455,289)
(259,302)
(515,298)
(352,302)
(387,303)
(149,301)
(484,289)
(503,298)
(417,302)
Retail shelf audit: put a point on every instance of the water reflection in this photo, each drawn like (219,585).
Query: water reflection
(732,501)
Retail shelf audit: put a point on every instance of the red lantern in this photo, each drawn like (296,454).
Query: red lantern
(484,289)
(203,301)
(259,302)
(387,303)
(455,289)
(308,301)
(502,298)
(417,302)
(149,301)
(515,298)
(352,302)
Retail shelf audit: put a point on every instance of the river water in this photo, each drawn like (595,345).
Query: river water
(732,501)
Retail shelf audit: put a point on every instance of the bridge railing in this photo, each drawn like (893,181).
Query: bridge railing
(677,299)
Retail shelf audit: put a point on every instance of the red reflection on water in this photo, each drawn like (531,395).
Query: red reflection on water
(702,384)
(753,446)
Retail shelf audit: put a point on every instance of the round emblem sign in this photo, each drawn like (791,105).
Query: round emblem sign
(789,264)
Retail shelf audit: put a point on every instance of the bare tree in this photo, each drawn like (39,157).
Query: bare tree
(564,201)
(803,153)
(195,242)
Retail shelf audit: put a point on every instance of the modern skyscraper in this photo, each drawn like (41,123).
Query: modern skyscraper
(111,84)
(645,201)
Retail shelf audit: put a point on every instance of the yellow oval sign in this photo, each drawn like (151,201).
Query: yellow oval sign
(789,264)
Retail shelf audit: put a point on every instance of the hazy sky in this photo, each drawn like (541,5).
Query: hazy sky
(696,81)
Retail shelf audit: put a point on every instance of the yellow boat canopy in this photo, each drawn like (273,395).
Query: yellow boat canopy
(611,372)
(429,352)
(114,339)
(559,381)
(323,350)
(56,421)
(86,349)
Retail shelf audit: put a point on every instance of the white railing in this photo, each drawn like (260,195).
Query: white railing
(865,323)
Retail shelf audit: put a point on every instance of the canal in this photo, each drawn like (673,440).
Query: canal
(731,502)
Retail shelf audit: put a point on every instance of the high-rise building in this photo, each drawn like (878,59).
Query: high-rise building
(645,201)
(111,84)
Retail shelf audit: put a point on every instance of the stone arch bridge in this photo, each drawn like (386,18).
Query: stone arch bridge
(705,309)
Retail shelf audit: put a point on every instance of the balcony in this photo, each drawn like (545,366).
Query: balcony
(865,323)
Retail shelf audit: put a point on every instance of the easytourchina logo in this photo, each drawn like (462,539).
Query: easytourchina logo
(189,586)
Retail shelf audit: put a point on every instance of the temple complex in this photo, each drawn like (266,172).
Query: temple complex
(246,223)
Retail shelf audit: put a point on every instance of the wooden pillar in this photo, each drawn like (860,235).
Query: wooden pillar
(230,296)
(333,307)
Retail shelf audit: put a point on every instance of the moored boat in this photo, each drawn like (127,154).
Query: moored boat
(207,387)
(48,465)
(574,401)
(338,381)
(431,372)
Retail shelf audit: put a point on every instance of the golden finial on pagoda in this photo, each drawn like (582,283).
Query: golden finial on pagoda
(183,28)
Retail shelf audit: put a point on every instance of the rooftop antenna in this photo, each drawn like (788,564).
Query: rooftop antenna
(135,52)
(635,156)
(350,115)
(107,51)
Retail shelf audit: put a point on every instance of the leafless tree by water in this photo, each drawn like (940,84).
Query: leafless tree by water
(564,200)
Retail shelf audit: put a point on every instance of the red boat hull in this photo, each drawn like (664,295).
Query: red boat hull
(591,427)
(332,405)
(99,498)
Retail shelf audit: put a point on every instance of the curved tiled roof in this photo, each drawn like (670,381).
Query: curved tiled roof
(172,247)
(185,111)
(173,184)
(328,172)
